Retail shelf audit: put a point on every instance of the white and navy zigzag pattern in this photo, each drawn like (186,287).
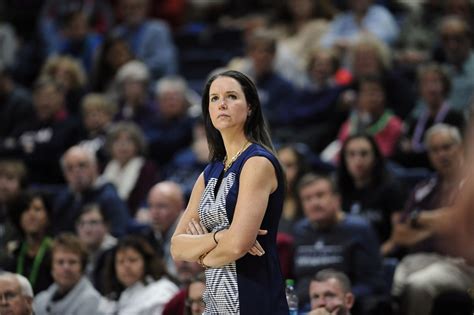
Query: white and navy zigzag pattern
(222,292)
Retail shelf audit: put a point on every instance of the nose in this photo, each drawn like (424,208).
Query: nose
(222,104)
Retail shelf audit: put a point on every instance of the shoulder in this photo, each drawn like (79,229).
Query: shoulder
(355,222)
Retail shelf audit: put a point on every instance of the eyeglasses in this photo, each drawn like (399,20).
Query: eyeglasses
(9,296)
(79,165)
(200,302)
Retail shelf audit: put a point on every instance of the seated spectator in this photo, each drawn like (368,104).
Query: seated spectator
(40,142)
(149,39)
(295,166)
(329,238)
(330,293)
(128,169)
(71,292)
(370,116)
(83,187)
(111,56)
(92,229)
(189,163)
(16,105)
(136,280)
(445,151)
(194,301)
(456,41)
(97,116)
(13,179)
(165,206)
(31,255)
(362,16)
(68,72)
(365,185)
(172,128)
(16,293)
(434,108)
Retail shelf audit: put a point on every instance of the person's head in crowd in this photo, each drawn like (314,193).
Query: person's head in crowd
(320,200)
(125,141)
(255,127)
(304,10)
(186,270)
(165,204)
(322,65)
(69,258)
(133,260)
(371,99)
(434,85)
(32,214)
(133,78)
(16,294)
(455,37)
(445,149)
(80,168)
(199,145)
(195,304)
(461,8)
(13,179)
(261,48)
(361,163)
(75,26)
(66,70)
(92,226)
(134,12)
(369,56)
(294,164)
(171,96)
(359,7)
(97,112)
(330,290)
(48,98)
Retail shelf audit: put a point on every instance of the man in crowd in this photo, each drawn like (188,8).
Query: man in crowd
(16,294)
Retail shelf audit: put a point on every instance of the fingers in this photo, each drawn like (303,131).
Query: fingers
(195,228)
(256,250)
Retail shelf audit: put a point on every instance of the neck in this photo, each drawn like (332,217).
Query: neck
(434,108)
(361,182)
(234,145)
(34,242)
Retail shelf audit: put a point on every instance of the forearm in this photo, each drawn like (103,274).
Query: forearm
(189,247)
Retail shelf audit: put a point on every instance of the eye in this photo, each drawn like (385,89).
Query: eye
(214,98)
(232,96)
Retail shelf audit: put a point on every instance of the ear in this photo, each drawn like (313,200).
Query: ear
(349,300)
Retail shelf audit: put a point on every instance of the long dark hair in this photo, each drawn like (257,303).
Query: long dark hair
(255,127)
(154,265)
(23,202)
(345,181)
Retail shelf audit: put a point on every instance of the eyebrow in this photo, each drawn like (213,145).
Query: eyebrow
(227,92)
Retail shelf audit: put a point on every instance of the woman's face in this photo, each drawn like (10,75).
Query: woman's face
(9,186)
(289,160)
(35,219)
(129,266)
(123,148)
(228,108)
(360,158)
(371,98)
(366,61)
(91,228)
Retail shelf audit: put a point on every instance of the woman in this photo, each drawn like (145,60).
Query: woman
(129,170)
(31,257)
(366,187)
(235,205)
(194,303)
(137,279)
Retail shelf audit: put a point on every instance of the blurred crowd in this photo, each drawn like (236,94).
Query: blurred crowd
(370,104)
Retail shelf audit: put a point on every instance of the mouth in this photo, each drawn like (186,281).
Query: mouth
(223,116)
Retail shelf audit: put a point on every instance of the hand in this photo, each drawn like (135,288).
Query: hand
(404,235)
(196,228)
(324,311)
(257,249)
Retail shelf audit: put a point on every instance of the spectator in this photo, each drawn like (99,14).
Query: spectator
(68,72)
(445,150)
(330,293)
(16,293)
(362,17)
(97,116)
(128,168)
(13,179)
(71,292)
(137,280)
(165,206)
(365,185)
(92,227)
(41,141)
(455,37)
(15,105)
(434,89)
(172,129)
(31,255)
(81,172)
(328,238)
(112,54)
(194,302)
(150,40)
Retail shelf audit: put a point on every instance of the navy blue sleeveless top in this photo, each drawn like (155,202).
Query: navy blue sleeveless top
(252,284)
